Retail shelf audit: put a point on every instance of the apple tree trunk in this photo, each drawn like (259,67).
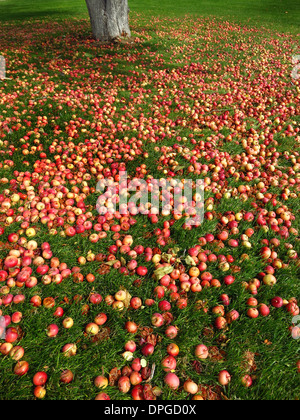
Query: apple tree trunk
(109,19)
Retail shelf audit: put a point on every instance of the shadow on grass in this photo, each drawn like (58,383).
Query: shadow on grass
(8,16)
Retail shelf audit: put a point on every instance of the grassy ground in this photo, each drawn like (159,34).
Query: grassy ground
(281,15)
(58,72)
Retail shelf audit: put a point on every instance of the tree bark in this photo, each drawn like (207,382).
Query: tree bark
(109,19)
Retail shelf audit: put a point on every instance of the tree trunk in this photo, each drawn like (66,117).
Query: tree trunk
(109,19)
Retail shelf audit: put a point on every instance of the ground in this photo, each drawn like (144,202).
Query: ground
(200,91)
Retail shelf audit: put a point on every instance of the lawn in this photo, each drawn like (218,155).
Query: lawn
(279,14)
(203,91)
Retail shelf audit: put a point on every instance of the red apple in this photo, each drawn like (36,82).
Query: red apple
(66,377)
(40,378)
(101,382)
(102,397)
(201,351)
(172,381)
(247,381)
(277,302)
(21,368)
(148,349)
(124,384)
(169,364)
(39,392)
(224,377)
(52,330)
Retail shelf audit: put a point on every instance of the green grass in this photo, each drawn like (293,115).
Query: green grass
(281,15)
(48,62)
